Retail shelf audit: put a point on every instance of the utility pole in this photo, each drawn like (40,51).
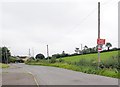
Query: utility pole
(29,53)
(81,49)
(47,53)
(6,56)
(98,32)
(33,52)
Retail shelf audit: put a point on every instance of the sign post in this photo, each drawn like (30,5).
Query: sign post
(98,33)
(99,41)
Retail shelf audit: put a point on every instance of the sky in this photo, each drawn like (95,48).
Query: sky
(63,25)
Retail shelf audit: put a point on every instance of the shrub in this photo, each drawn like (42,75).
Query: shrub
(81,62)
(110,62)
(85,62)
(12,59)
(52,60)
(61,60)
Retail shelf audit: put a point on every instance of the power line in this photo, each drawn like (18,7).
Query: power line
(84,19)
(106,2)
(89,14)
(110,3)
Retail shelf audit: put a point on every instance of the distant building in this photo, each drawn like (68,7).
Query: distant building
(23,58)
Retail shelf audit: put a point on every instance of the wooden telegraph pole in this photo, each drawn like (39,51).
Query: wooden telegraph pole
(29,54)
(6,55)
(100,41)
(98,32)
(81,49)
(47,52)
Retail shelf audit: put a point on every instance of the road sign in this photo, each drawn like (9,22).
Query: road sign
(99,49)
(100,41)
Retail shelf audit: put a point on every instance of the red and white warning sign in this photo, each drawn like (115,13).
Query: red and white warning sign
(100,41)
(99,49)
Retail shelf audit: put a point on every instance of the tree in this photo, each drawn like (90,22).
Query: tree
(85,47)
(77,50)
(5,55)
(108,45)
(56,55)
(40,56)
(0,54)
(64,54)
(13,59)
(85,50)
(94,49)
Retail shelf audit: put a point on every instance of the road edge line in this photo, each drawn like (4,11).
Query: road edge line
(34,79)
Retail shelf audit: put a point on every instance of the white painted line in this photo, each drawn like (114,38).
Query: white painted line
(34,79)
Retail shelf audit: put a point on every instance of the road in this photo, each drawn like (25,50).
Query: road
(57,76)
(16,75)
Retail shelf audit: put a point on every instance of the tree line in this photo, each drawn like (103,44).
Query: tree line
(5,54)
(86,50)
(92,50)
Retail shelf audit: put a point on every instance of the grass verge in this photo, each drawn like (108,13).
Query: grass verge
(88,63)
(4,65)
(85,69)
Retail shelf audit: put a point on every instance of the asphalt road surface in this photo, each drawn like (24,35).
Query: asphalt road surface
(44,75)
(17,76)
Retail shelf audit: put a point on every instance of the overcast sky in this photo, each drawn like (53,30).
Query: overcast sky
(62,24)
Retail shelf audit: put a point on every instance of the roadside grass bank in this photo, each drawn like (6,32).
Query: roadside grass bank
(4,65)
(109,65)
(89,70)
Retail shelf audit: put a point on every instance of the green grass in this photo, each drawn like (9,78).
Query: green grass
(3,65)
(94,56)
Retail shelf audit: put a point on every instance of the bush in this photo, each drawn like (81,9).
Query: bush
(110,62)
(12,59)
(85,62)
(56,56)
(60,60)
(52,60)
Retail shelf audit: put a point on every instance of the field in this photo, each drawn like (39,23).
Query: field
(3,65)
(86,63)
(104,56)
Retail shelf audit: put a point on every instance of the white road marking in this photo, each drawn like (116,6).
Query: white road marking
(34,79)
